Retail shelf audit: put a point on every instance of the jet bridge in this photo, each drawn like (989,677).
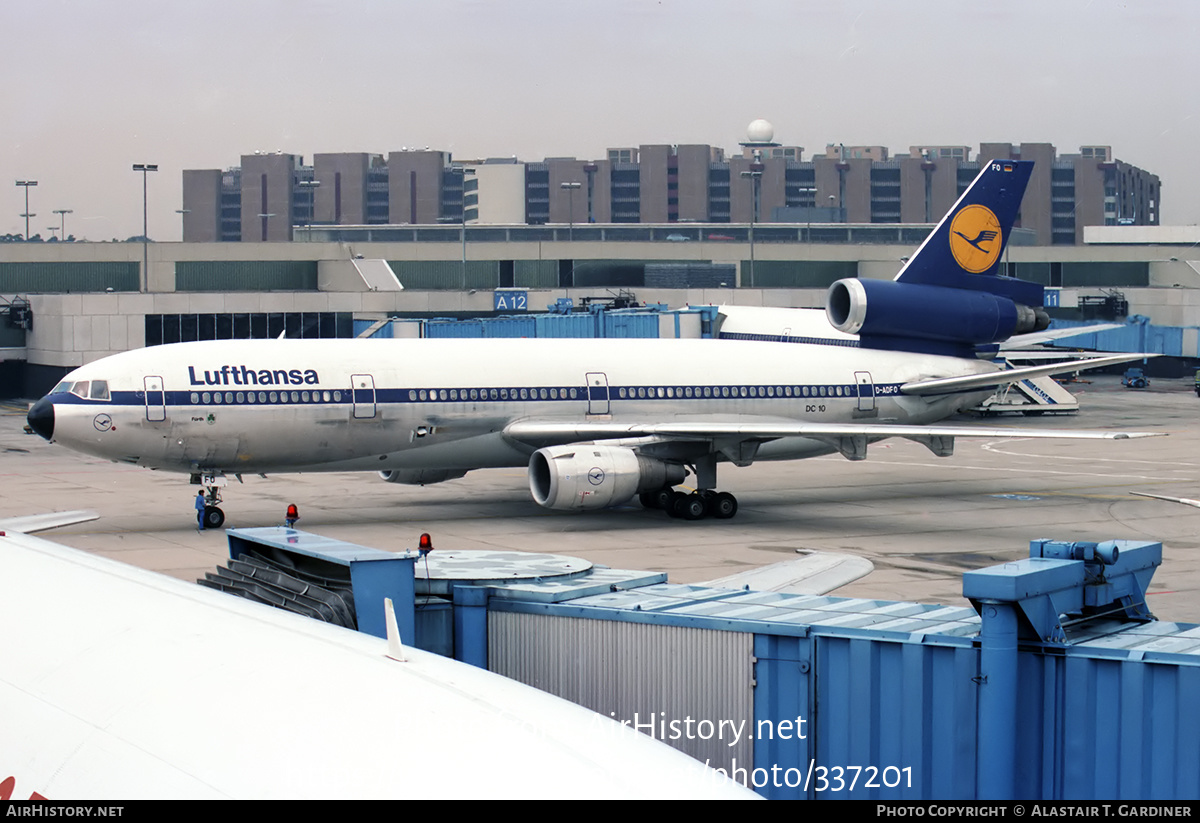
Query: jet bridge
(318,577)
(1040,689)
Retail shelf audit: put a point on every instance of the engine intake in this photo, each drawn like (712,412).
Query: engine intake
(584,476)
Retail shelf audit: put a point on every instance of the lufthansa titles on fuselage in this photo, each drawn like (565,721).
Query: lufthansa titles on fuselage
(246,376)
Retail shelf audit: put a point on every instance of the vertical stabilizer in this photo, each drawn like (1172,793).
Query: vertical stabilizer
(965,249)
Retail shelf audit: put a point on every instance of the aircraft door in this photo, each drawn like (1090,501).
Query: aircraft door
(866,391)
(362,389)
(597,388)
(156,399)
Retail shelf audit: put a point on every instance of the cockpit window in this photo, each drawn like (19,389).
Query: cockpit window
(99,389)
(64,386)
(80,388)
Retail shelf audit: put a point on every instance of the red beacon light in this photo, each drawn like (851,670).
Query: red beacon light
(425,544)
(292,515)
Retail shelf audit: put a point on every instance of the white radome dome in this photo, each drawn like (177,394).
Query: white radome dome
(760,131)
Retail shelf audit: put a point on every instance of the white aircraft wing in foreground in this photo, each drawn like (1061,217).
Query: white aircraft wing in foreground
(121,683)
(33,523)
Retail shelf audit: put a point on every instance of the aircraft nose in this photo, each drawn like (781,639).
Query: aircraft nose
(41,418)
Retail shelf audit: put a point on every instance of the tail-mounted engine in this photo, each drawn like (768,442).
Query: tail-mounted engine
(882,311)
(585,476)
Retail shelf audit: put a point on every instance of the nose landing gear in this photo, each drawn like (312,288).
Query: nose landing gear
(214,518)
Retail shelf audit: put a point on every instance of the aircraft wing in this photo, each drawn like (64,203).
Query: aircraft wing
(41,522)
(547,432)
(992,380)
(114,704)
(1184,500)
(811,573)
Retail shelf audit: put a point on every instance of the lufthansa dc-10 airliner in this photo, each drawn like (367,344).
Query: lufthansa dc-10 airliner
(597,422)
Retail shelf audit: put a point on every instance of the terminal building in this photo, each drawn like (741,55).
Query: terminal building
(672,226)
(65,304)
(274,197)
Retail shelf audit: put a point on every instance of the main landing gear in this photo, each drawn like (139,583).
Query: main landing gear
(214,518)
(694,506)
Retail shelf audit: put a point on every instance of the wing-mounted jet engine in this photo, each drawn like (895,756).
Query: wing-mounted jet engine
(590,476)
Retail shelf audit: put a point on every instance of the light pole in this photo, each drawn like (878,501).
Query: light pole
(570,189)
(27,215)
(755,175)
(62,221)
(182,218)
(760,135)
(145,168)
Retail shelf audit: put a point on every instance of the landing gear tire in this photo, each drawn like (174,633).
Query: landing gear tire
(690,507)
(723,505)
(214,518)
(670,502)
(695,506)
(658,499)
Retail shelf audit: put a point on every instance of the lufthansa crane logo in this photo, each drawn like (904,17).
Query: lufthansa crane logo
(975,239)
(595,475)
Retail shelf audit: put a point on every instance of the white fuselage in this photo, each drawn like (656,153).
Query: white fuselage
(336,405)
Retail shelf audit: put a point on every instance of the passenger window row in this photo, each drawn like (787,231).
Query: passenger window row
(249,398)
(496,394)
(630,393)
(732,391)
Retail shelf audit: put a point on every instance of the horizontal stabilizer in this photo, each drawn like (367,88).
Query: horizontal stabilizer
(811,573)
(992,380)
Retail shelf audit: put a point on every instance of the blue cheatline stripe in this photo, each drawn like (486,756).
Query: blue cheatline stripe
(231,396)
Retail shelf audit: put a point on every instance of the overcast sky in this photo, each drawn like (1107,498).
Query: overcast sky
(91,88)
